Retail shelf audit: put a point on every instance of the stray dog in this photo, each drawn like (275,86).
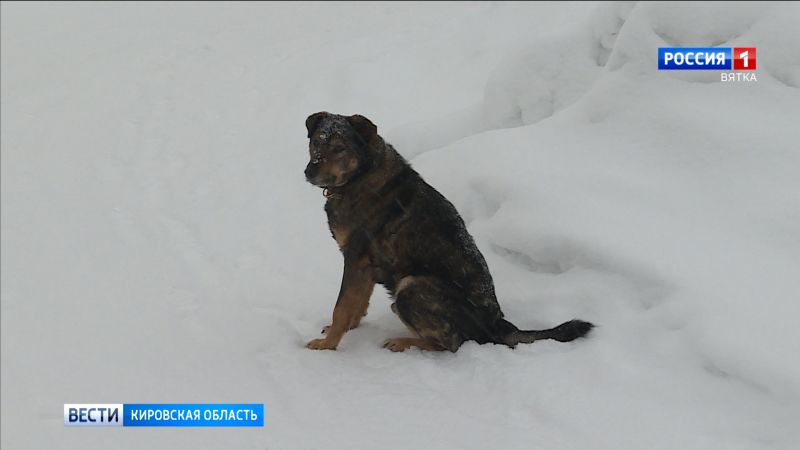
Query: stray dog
(393,228)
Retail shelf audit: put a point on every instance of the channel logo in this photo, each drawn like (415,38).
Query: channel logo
(164,415)
(744,58)
(93,415)
(707,58)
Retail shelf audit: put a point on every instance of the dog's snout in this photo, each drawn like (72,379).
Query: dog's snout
(311,170)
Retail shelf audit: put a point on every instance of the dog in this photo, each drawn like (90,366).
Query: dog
(394,229)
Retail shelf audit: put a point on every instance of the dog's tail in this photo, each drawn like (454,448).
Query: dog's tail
(567,331)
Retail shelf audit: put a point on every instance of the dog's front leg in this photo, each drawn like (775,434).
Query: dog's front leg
(354,294)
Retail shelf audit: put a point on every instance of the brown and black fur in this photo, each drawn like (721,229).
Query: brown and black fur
(394,229)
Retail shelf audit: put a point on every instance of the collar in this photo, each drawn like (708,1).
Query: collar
(330,195)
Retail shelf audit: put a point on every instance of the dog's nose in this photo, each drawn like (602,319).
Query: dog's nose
(311,170)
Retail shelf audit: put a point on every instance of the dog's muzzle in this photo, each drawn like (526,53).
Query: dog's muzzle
(312,170)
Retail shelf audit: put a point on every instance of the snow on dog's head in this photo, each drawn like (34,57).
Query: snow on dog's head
(339,148)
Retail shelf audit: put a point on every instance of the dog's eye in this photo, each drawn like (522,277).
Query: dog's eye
(338,149)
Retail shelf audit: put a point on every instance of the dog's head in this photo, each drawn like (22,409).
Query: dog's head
(340,148)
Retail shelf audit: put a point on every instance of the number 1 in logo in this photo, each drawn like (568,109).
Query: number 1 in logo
(744,58)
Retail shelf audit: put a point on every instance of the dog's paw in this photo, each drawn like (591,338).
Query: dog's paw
(321,344)
(397,344)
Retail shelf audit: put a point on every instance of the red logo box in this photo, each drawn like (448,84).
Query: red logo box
(744,58)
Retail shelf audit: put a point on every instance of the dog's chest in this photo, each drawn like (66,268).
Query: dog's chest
(364,229)
(340,234)
(343,219)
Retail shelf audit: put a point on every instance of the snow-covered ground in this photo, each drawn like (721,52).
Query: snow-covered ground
(159,242)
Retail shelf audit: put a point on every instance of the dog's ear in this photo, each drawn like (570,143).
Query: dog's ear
(313,121)
(366,129)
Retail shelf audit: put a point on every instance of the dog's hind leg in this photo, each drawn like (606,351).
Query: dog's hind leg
(403,344)
(426,307)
